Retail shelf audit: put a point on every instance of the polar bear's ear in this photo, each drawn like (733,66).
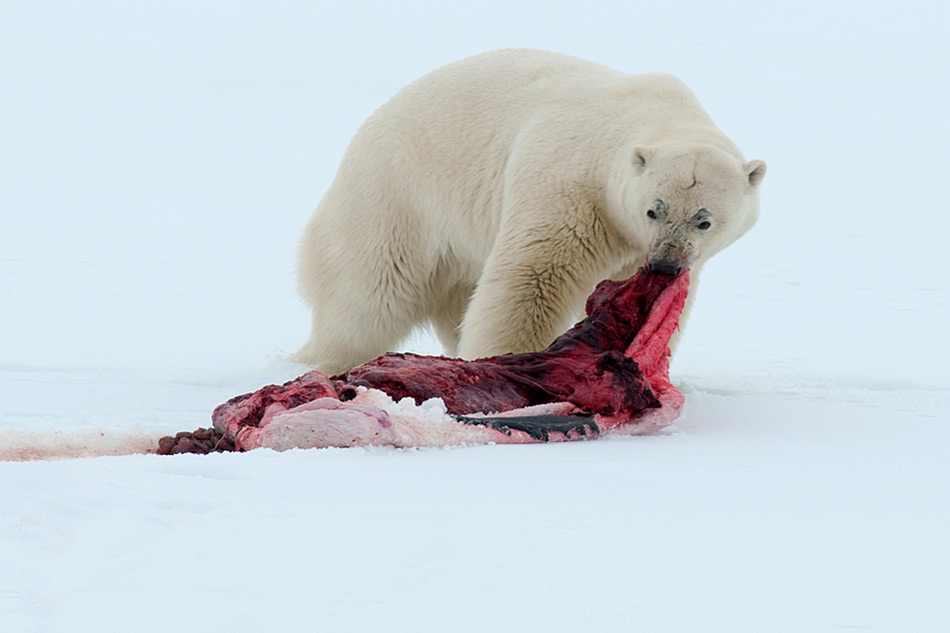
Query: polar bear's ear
(641,154)
(755,170)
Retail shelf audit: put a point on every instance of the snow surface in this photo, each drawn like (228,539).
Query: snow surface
(157,165)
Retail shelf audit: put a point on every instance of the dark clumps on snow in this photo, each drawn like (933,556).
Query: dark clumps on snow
(201,441)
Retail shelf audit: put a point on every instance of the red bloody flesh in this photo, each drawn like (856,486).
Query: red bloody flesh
(586,366)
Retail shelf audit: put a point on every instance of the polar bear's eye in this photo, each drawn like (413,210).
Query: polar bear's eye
(702,220)
(651,214)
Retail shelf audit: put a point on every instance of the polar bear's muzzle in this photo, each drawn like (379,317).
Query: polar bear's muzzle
(671,253)
(668,267)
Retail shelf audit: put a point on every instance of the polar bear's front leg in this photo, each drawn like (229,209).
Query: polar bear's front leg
(532,289)
(514,310)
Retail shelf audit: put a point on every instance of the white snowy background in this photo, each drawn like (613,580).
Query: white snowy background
(157,164)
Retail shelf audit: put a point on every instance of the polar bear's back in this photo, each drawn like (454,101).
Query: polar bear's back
(496,93)
(522,77)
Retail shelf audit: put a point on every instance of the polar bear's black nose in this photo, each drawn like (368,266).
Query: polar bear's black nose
(665,267)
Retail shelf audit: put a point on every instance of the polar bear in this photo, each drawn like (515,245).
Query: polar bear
(489,197)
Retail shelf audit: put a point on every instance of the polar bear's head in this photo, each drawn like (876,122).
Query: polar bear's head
(682,203)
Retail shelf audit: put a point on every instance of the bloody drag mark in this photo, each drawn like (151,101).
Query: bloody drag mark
(609,373)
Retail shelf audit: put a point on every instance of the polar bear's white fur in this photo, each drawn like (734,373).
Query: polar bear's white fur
(490,196)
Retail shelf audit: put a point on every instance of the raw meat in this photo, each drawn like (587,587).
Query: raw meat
(607,374)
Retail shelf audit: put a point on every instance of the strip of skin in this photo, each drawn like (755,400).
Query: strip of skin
(608,374)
